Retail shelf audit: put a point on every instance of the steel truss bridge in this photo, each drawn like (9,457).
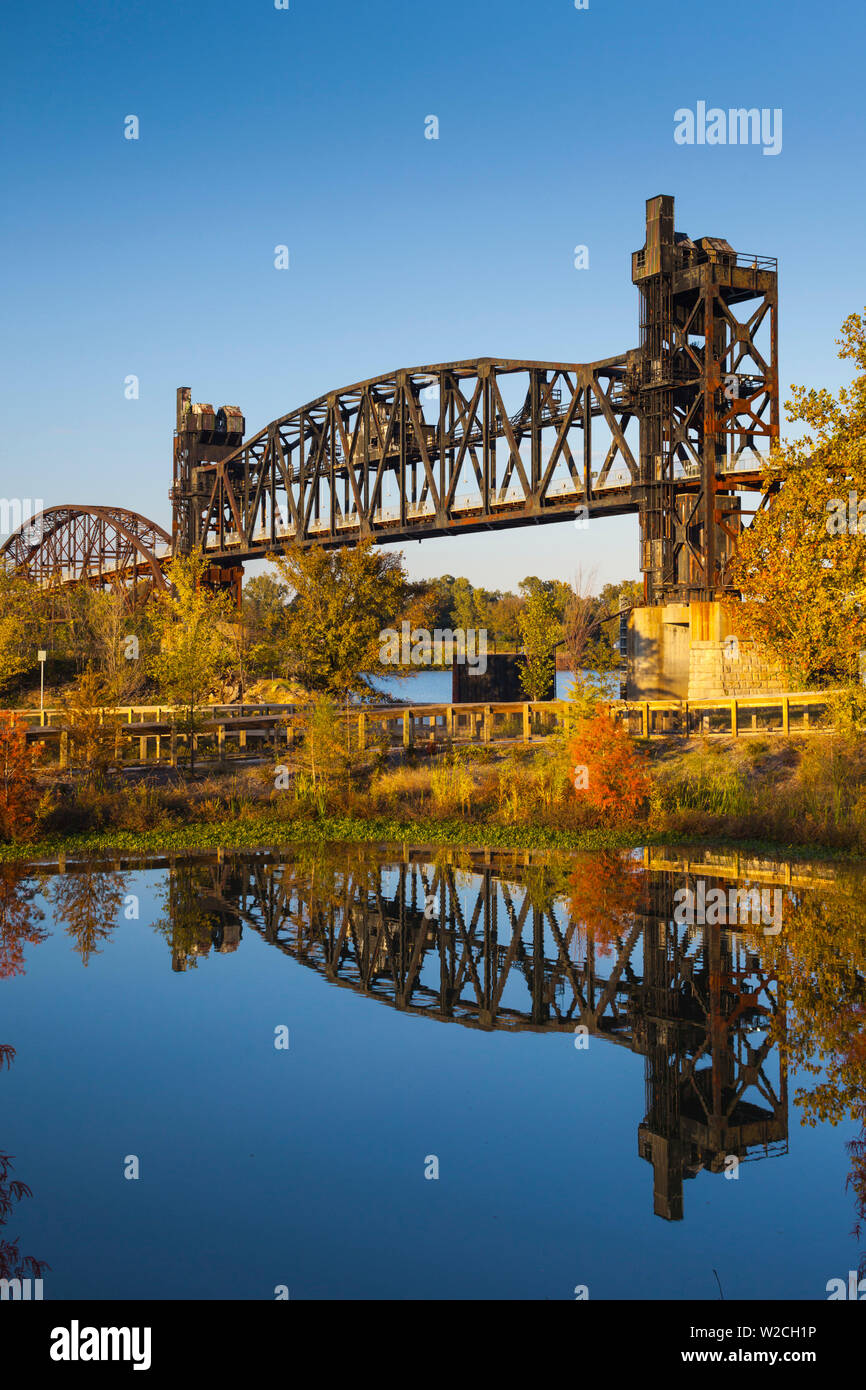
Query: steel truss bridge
(494,946)
(101,546)
(674,431)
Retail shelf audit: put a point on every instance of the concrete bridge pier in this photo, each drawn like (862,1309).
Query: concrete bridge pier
(691,651)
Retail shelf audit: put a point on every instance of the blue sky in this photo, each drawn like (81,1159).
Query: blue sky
(305,127)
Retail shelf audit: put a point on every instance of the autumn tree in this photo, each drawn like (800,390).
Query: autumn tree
(94,738)
(606,891)
(340,603)
(801,565)
(87,904)
(608,772)
(18,789)
(191,625)
(17,646)
(820,960)
(13,1265)
(19,919)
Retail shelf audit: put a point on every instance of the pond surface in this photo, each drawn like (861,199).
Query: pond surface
(397,1073)
(434,687)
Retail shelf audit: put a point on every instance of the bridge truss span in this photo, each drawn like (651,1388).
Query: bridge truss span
(104,547)
(455,446)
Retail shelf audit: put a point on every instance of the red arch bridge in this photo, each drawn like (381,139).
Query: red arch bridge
(674,430)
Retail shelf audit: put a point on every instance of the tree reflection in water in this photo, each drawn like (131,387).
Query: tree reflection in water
(87,903)
(19,926)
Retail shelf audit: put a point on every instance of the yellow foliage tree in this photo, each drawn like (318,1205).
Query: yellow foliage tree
(192,628)
(340,601)
(801,565)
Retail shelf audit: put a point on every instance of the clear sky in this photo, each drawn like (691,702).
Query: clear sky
(305,127)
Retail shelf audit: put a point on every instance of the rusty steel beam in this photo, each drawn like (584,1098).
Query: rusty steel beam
(104,547)
(456,446)
(673,430)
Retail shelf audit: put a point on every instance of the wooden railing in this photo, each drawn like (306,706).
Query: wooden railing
(156,727)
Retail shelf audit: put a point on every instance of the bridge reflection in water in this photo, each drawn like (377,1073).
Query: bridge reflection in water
(583,945)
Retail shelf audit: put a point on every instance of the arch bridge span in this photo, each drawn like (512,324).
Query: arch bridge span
(104,547)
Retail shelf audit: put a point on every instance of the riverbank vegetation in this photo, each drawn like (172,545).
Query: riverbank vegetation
(595,787)
(801,566)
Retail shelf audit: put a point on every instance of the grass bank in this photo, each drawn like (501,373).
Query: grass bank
(796,795)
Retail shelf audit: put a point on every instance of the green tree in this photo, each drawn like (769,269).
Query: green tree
(191,626)
(341,601)
(539,631)
(264,602)
(463,609)
(95,740)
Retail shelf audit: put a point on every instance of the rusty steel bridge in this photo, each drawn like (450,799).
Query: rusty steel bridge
(675,431)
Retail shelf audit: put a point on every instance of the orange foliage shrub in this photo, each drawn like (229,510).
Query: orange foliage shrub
(18,791)
(606,769)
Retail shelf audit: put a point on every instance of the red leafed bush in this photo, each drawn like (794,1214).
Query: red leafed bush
(18,790)
(607,771)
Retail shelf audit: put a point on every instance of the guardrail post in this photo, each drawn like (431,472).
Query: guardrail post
(527,722)
(786,715)
(407,728)
(735,726)
(64,747)
(221,742)
(449,720)
(645,719)
(173,743)
(362,732)
(142,748)
(487,724)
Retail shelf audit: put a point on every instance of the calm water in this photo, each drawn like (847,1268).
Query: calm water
(434,687)
(430,1004)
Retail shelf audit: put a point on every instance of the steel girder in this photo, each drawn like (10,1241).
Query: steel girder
(456,446)
(106,547)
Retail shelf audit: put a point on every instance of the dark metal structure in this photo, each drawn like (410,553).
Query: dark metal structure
(674,430)
(492,947)
(105,547)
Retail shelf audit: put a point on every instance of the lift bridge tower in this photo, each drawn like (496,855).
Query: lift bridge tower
(706,393)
